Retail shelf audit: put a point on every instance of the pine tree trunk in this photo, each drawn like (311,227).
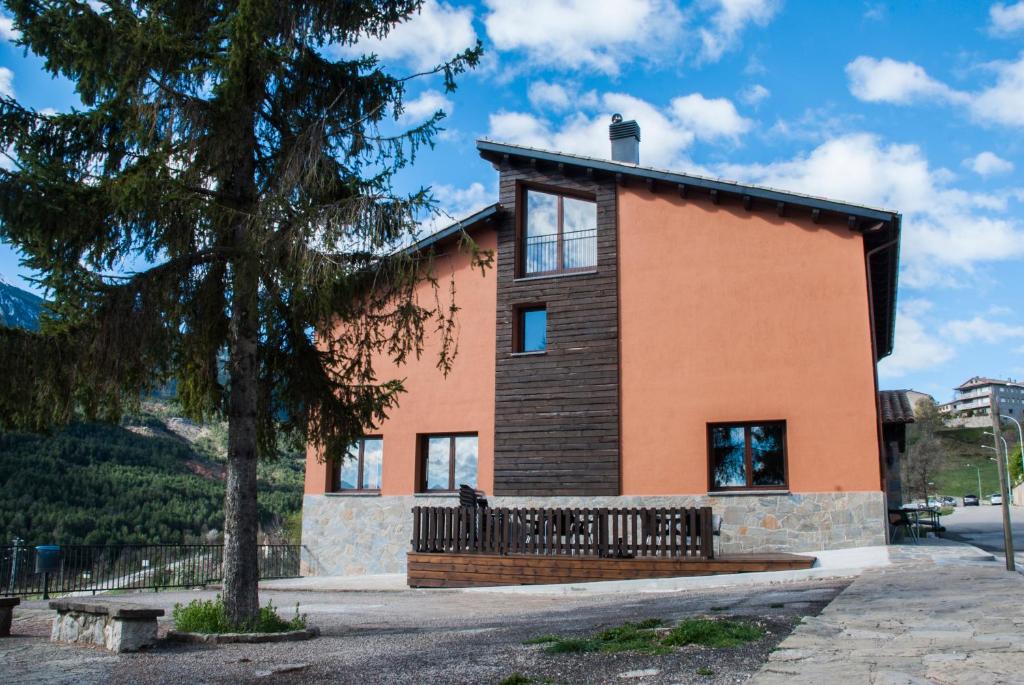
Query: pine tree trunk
(241,571)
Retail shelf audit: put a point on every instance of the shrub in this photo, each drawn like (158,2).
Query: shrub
(208,616)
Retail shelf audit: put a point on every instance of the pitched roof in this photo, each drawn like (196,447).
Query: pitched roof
(880,227)
(461,225)
(977,381)
(895,406)
(489,148)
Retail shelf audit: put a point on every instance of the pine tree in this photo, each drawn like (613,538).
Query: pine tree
(249,170)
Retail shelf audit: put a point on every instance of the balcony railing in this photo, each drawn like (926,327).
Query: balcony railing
(578,251)
(622,533)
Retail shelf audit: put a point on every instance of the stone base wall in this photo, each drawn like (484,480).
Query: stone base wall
(352,535)
(112,633)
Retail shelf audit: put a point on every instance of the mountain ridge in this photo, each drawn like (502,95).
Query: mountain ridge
(19,308)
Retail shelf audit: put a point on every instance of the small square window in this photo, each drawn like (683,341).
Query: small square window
(360,467)
(447,461)
(532,329)
(747,456)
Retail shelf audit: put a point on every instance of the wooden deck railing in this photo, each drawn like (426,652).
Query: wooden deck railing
(623,533)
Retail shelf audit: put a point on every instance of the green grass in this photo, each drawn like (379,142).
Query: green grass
(652,637)
(208,616)
(702,631)
(704,670)
(954,477)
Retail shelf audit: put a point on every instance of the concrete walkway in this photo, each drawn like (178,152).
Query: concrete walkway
(939,614)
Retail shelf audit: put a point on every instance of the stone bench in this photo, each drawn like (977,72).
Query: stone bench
(117,626)
(7,605)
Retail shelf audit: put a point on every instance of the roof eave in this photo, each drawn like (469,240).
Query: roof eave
(494,150)
(470,221)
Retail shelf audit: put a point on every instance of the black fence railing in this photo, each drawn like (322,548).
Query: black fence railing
(615,533)
(571,250)
(94,568)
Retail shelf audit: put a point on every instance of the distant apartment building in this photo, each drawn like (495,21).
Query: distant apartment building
(974,398)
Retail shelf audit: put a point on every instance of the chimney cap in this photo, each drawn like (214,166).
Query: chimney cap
(620,129)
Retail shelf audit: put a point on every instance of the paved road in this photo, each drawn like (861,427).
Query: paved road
(982,526)
(439,637)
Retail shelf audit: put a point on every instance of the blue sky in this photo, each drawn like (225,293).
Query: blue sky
(913,106)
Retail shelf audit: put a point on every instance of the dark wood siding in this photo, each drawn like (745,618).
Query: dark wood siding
(556,421)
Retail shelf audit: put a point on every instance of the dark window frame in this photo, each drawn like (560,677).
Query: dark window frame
(519,324)
(748,461)
(336,468)
(421,459)
(522,212)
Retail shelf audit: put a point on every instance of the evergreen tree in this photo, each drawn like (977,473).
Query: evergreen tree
(226,148)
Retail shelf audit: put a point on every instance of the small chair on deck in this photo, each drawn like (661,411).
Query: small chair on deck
(468,497)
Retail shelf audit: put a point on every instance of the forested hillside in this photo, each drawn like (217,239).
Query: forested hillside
(152,480)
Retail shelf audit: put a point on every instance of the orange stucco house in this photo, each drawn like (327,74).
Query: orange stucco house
(646,338)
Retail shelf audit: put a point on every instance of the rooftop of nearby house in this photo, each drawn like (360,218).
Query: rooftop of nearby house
(895,406)
(982,381)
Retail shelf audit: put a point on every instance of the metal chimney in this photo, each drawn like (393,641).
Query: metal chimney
(625,137)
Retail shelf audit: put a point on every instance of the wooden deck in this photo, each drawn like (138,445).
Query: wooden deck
(450,570)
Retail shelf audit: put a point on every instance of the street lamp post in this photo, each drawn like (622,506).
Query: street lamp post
(995,459)
(978,469)
(1020,443)
(1006,455)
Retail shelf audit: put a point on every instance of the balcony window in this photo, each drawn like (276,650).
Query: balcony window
(448,461)
(559,234)
(360,468)
(747,456)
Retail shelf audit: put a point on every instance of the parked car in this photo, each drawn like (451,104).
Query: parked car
(949,501)
(995,499)
(971,500)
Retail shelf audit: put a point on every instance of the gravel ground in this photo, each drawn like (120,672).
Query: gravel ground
(429,636)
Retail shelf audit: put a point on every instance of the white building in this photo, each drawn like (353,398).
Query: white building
(974,398)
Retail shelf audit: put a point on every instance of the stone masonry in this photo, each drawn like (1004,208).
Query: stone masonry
(353,535)
(117,627)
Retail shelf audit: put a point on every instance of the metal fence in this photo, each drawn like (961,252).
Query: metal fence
(93,568)
(565,252)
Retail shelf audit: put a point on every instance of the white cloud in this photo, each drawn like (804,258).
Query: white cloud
(1005,20)
(558,97)
(575,34)
(875,11)
(455,204)
(666,133)
(424,106)
(982,330)
(901,83)
(436,34)
(7,30)
(6,82)
(915,348)
(728,20)
(988,164)
(946,230)
(886,80)
(1002,103)
(709,118)
(753,95)
(545,95)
